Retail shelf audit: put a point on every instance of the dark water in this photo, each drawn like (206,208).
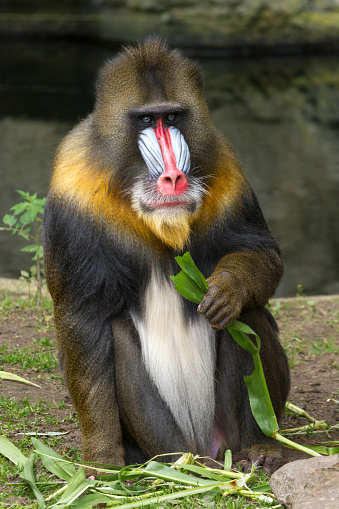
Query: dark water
(282,116)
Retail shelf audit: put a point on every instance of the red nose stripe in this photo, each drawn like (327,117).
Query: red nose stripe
(165,143)
(172,181)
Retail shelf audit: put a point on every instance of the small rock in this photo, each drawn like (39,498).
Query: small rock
(308,484)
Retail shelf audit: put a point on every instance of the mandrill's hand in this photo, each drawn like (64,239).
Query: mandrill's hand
(224,300)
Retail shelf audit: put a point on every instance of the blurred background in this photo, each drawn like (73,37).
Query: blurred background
(271,73)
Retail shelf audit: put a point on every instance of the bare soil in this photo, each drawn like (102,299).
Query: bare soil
(309,332)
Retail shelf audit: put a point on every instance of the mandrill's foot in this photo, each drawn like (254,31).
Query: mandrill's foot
(269,457)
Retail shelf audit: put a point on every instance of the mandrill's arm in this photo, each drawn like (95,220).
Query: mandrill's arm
(248,265)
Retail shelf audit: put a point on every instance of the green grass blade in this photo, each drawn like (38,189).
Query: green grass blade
(290,443)
(53,462)
(195,469)
(330,451)
(170,474)
(28,475)
(264,488)
(11,452)
(172,496)
(77,485)
(88,501)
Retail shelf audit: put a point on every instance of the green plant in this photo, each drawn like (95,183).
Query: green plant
(300,291)
(29,358)
(26,221)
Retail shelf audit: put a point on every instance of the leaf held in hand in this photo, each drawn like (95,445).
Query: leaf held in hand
(189,282)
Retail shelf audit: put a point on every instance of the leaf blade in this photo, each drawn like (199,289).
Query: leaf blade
(11,452)
(53,462)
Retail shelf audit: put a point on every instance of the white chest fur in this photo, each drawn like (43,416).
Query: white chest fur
(179,355)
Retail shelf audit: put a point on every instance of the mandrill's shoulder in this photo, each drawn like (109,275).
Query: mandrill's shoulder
(76,176)
(75,145)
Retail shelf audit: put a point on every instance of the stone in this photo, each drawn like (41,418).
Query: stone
(308,484)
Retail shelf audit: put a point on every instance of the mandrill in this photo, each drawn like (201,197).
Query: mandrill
(144,178)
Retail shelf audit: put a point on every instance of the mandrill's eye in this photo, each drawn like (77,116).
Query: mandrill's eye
(146,119)
(170,119)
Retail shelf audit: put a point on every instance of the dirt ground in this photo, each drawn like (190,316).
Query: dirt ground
(309,331)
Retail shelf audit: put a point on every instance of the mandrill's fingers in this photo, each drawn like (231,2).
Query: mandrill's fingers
(220,307)
(211,304)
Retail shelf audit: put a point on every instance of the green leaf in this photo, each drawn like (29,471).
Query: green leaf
(172,496)
(77,485)
(4,375)
(36,208)
(169,474)
(10,220)
(40,252)
(260,401)
(28,476)
(189,282)
(41,202)
(228,459)
(187,287)
(26,196)
(11,452)
(330,451)
(238,334)
(188,266)
(205,472)
(19,208)
(32,248)
(28,217)
(53,462)
(88,501)
(264,488)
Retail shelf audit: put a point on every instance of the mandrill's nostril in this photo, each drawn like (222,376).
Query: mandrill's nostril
(173,183)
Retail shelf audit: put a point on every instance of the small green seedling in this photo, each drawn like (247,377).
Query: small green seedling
(26,221)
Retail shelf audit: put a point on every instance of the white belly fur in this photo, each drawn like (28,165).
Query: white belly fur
(180,358)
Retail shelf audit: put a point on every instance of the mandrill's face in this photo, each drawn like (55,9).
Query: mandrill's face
(166,195)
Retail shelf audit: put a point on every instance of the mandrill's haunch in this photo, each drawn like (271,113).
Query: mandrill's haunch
(143,178)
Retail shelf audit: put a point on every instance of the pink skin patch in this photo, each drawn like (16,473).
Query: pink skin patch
(172,181)
(218,437)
